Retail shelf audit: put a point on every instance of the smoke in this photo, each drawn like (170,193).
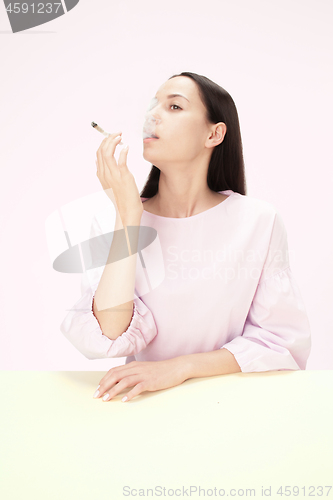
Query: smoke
(150,120)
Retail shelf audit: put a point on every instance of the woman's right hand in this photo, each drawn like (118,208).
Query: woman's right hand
(116,179)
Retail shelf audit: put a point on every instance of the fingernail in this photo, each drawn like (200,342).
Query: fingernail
(125,398)
(105,397)
(97,392)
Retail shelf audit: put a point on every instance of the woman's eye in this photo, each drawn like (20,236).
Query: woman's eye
(175,105)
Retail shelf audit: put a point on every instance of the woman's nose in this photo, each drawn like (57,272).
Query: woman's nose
(152,114)
(153,119)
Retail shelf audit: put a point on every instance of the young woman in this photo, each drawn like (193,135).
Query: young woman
(227,301)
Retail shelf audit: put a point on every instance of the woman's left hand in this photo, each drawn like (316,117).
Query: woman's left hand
(144,376)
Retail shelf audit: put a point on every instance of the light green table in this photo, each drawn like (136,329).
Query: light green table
(239,431)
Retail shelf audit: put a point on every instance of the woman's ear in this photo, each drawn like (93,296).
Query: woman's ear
(217,134)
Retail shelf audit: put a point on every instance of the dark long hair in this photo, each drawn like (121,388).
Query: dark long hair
(226,166)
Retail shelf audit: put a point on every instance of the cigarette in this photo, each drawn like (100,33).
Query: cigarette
(97,127)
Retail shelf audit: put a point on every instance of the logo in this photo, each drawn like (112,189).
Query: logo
(25,15)
(79,238)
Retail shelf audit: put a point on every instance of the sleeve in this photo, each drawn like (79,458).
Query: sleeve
(276,333)
(82,328)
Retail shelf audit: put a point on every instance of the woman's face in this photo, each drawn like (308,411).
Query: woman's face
(181,125)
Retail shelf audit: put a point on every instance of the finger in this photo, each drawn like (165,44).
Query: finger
(110,146)
(105,388)
(126,382)
(100,160)
(115,374)
(104,152)
(101,166)
(138,389)
(111,136)
(106,156)
(122,160)
(108,139)
(121,368)
(101,154)
(114,134)
(97,169)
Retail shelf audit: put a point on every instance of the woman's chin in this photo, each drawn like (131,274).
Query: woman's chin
(148,156)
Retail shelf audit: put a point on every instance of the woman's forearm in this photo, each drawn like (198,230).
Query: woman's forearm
(208,364)
(113,301)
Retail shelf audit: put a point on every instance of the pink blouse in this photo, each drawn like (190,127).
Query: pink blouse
(226,283)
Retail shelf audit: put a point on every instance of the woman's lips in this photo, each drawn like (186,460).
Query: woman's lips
(149,139)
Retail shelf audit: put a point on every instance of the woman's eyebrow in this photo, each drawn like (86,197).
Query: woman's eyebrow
(175,95)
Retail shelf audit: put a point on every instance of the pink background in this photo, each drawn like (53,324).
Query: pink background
(103,62)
